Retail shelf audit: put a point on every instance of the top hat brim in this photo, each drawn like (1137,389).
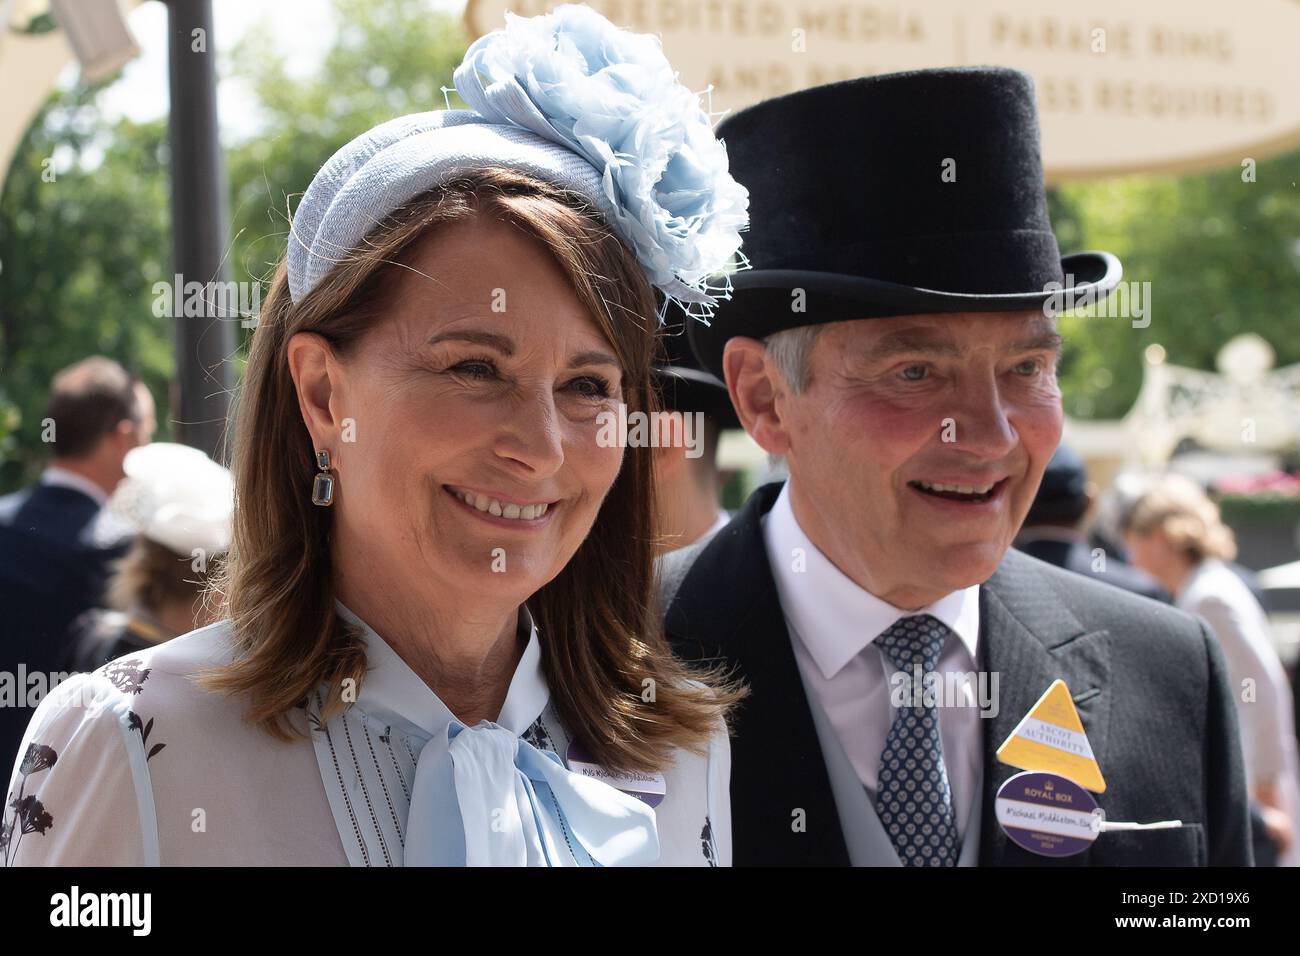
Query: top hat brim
(686,389)
(763,301)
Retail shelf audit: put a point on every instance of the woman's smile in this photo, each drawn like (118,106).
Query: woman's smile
(503,512)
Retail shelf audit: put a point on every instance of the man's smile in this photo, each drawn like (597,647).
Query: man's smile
(963,493)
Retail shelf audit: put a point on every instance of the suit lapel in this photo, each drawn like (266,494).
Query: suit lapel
(727,609)
(1029,639)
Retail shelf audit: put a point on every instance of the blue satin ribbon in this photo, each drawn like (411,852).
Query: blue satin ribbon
(518,806)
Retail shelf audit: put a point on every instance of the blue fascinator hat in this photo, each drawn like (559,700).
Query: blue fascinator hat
(568,98)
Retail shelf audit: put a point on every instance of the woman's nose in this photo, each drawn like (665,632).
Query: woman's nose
(531,434)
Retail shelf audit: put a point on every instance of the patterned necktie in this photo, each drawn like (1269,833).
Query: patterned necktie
(913,799)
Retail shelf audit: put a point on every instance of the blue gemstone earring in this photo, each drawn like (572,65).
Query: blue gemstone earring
(322,489)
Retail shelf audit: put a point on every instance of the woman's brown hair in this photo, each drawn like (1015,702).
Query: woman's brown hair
(612,676)
(1178,507)
(152,576)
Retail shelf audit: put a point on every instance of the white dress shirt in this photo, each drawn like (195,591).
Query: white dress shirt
(833,625)
(62,478)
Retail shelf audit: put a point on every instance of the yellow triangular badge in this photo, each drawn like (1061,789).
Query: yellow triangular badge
(1051,738)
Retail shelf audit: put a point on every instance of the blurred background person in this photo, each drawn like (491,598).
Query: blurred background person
(1117,501)
(688,482)
(56,541)
(1175,533)
(179,502)
(1054,529)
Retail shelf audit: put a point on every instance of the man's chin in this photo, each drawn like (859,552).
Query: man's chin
(957,567)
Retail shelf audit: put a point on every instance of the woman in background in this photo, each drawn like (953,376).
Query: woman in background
(1175,533)
(179,503)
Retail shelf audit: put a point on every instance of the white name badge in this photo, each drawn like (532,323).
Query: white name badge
(649,788)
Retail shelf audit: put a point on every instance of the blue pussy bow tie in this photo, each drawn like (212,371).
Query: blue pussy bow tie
(518,806)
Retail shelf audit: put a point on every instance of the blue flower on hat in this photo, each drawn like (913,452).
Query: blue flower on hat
(611,96)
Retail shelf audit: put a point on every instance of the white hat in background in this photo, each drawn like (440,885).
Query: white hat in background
(178,497)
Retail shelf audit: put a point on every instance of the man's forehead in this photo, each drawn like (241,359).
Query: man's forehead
(956,328)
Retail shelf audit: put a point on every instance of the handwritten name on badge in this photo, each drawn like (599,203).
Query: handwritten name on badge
(1047,814)
(649,788)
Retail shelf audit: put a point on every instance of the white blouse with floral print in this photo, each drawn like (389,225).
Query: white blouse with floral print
(136,765)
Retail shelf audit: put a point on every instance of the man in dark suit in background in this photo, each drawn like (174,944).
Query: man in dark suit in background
(688,486)
(1053,531)
(895,341)
(55,546)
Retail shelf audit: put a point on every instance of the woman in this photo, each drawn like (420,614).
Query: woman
(1175,533)
(178,501)
(441,647)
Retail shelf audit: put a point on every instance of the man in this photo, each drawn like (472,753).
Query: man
(688,487)
(894,342)
(1052,531)
(55,544)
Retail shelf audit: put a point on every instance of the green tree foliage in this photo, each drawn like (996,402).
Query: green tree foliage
(387,59)
(79,255)
(1222,256)
(84,233)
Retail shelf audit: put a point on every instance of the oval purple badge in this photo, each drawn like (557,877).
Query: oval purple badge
(1047,814)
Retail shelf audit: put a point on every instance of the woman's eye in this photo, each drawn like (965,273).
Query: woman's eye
(915,373)
(590,386)
(475,368)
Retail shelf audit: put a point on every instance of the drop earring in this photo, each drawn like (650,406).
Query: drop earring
(322,488)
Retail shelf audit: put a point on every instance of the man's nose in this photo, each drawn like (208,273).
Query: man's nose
(982,423)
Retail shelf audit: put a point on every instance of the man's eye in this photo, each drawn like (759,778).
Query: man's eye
(475,368)
(915,373)
(1027,367)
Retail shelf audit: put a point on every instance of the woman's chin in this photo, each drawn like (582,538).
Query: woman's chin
(497,572)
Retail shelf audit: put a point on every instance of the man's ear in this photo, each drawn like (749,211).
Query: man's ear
(125,431)
(755,384)
(1090,495)
(316,374)
(669,456)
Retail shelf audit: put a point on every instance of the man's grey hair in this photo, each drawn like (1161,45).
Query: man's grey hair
(791,351)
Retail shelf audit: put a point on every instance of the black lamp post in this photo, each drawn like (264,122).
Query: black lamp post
(205,345)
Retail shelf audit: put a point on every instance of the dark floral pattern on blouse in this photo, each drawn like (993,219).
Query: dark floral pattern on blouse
(133,720)
(312,712)
(706,840)
(29,815)
(538,737)
(127,675)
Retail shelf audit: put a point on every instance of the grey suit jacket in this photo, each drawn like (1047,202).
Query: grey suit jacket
(1149,682)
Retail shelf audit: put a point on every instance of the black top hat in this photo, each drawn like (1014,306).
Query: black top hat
(899,194)
(686,387)
(1063,493)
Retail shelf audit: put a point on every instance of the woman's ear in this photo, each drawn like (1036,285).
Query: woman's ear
(317,377)
(754,384)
